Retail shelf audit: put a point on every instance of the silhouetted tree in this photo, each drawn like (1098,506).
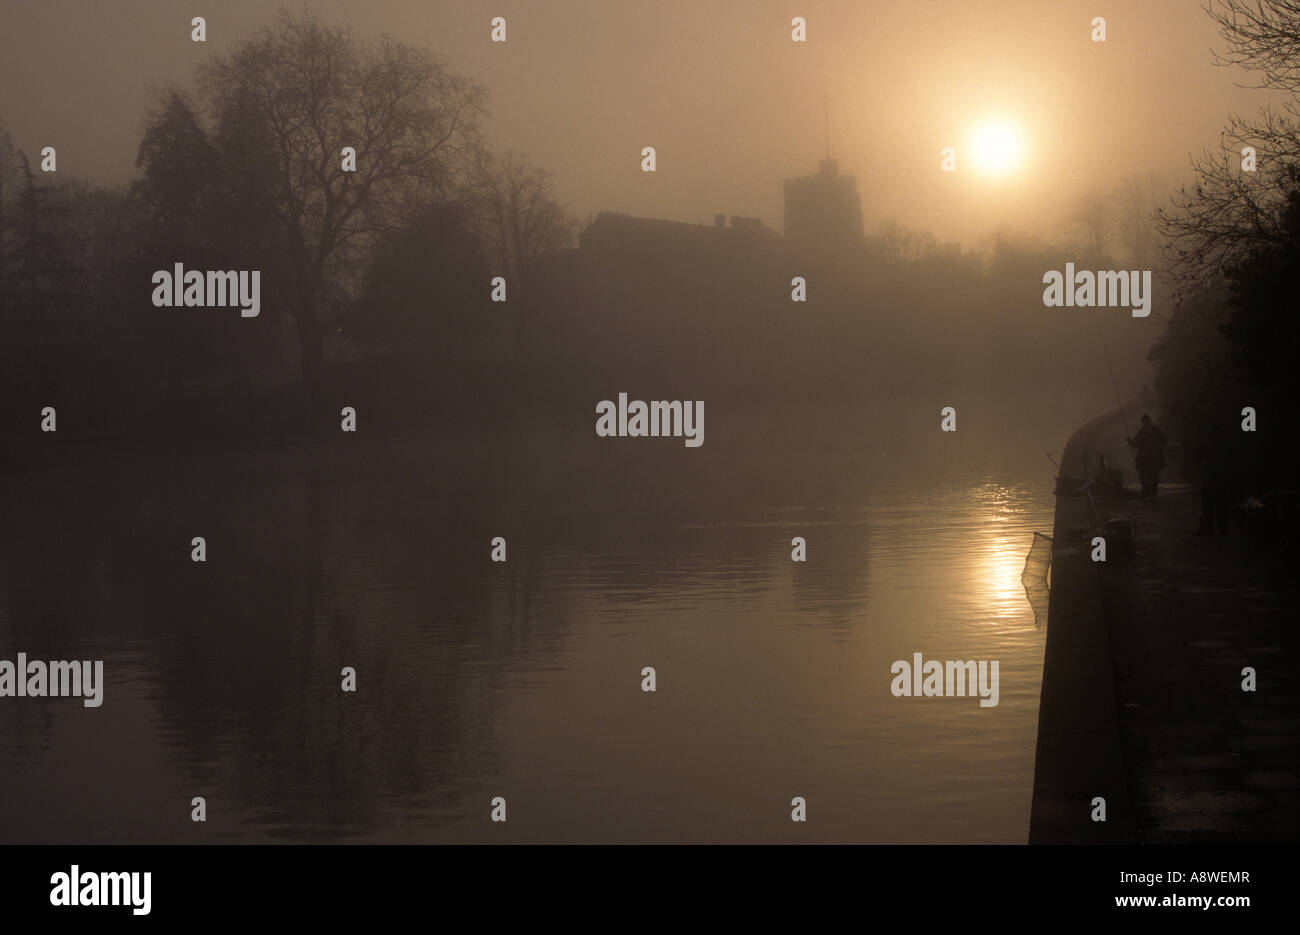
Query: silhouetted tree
(202,193)
(1264,335)
(315,89)
(37,261)
(1263,36)
(100,249)
(180,177)
(902,244)
(1133,202)
(426,291)
(1196,375)
(1241,230)
(1228,213)
(1094,219)
(10,182)
(513,206)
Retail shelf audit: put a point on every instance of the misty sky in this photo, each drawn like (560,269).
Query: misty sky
(731,104)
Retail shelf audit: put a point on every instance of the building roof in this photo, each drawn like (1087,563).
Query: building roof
(611,230)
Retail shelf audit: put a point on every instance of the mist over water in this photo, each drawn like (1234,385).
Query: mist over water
(521,679)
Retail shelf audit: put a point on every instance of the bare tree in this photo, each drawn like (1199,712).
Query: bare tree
(11,176)
(513,207)
(1263,36)
(1134,201)
(904,245)
(1094,218)
(1227,213)
(313,90)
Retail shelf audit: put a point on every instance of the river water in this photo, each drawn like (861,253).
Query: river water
(523,679)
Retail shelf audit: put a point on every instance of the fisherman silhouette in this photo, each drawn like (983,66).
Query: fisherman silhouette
(1149,444)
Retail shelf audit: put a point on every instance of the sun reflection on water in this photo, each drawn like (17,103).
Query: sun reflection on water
(998,560)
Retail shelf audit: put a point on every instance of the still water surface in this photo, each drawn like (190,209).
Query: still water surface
(520,679)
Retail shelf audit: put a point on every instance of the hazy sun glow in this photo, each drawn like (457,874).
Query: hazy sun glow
(996,149)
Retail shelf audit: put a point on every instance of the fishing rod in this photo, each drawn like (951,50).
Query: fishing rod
(1118,401)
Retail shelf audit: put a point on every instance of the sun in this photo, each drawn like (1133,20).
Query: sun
(997,149)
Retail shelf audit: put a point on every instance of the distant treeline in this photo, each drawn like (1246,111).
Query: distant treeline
(355,178)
